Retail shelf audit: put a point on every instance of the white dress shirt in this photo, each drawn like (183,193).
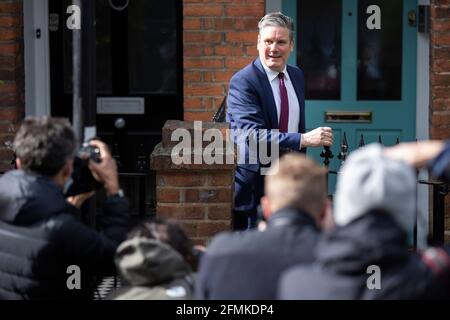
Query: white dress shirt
(294,107)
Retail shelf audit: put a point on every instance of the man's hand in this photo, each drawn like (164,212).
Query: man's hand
(416,154)
(106,171)
(322,136)
(79,199)
(262,226)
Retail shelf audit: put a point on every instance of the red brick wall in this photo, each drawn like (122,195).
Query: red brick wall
(440,76)
(11,75)
(219,38)
(198,196)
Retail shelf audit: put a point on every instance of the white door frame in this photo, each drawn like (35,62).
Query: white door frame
(422,128)
(37,57)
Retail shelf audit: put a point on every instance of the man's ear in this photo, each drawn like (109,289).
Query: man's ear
(326,219)
(66,171)
(265,204)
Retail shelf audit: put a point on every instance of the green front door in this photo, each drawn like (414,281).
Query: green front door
(359,60)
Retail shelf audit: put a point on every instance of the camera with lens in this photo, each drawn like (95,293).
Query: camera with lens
(82,179)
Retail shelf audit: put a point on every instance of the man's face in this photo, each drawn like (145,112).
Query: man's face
(274,47)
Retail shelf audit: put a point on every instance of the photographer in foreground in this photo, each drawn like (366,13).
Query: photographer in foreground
(40,238)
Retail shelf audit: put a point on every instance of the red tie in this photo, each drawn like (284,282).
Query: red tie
(284,107)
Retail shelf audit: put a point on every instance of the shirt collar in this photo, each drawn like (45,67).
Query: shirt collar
(271,74)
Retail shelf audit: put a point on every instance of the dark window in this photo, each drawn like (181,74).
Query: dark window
(319,47)
(152,47)
(380,52)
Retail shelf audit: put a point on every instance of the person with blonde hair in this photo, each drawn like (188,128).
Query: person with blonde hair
(247,265)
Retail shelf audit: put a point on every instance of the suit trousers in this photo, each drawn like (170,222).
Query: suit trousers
(244,220)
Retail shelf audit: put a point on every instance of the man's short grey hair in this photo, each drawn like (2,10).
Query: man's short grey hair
(44,144)
(277,19)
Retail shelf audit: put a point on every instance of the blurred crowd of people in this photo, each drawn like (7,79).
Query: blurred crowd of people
(305,247)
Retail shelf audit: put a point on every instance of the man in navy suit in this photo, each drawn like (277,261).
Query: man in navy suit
(264,96)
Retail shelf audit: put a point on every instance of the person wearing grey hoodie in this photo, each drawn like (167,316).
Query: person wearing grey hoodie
(156,262)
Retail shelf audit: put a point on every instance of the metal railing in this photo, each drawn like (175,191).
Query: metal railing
(439,189)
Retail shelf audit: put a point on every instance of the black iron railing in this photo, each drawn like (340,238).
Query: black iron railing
(439,190)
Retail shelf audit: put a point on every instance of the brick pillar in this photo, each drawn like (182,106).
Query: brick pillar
(11,76)
(219,38)
(198,196)
(440,79)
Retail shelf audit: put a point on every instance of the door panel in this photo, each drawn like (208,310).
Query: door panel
(350,68)
(380,53)
(138,54)
(319,44)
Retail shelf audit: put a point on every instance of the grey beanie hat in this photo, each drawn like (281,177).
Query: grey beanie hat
(371,180)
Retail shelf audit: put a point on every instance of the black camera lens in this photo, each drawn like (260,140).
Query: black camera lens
(82,178)
(88,151)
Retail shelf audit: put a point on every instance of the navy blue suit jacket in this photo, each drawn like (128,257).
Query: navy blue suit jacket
(251,106)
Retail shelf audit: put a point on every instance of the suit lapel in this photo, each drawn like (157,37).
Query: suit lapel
(267,94)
